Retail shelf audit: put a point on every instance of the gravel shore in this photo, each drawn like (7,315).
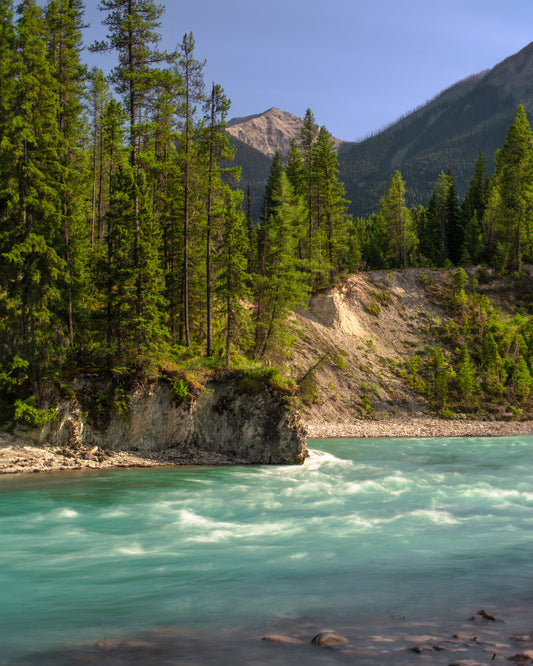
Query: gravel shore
(418,426)
(23,457)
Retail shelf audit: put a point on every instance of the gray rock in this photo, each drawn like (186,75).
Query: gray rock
(328,638)
(525,657)
(482,616)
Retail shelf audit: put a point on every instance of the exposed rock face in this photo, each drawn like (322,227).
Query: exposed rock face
(259,428)
(268,132)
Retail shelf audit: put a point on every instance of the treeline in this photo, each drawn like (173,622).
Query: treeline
(492,225)
(124,237)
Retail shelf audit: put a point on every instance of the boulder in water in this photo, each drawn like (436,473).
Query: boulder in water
(483,616)
(525,657)
(328,638)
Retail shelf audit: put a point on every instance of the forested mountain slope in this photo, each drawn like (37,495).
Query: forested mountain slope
(448,132)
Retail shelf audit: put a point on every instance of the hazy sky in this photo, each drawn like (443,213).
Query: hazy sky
(358,64)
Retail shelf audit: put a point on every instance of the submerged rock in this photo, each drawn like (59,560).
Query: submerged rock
(525,657)
(328,638)
(483,616)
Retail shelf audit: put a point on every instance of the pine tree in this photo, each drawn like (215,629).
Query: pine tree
(160,160)
(522,382)
(295,169)
(398,224)
(507,216)
(133,33)
(308,135)
(473,241)
(7,50)
(476,195)
(30,238)
(454,223)
(331,206)
(64,23)
(217,149)
(435,237)
(191,71)
(466,379)
(97,97)
(231,285)
(282,284)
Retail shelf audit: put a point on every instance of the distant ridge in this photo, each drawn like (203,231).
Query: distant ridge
(448,132)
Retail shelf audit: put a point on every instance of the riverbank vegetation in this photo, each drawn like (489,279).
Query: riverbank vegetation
(128,245)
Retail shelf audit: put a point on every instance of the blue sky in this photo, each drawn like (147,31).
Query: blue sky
(358,65)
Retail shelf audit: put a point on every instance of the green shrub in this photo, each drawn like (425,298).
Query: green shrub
(29,415)
(180,391)
(447,413)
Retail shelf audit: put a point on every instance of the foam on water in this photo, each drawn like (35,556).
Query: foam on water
(417,526)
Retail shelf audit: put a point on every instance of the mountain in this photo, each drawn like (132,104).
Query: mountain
(256,139)
(268,132)
(448,132)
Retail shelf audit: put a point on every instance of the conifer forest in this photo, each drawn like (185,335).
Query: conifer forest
(126,237)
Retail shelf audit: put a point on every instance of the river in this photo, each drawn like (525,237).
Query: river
(392,542)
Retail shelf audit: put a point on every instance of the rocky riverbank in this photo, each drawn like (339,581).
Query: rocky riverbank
(19,456)
(229,420)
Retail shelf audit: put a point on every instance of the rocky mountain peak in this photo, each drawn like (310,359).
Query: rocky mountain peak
(267,132)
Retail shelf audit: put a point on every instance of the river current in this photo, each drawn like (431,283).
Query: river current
(381,540)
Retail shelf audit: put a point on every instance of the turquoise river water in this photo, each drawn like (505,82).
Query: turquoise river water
(381,540)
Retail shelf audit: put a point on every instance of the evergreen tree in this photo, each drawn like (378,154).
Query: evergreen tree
(64,22)
(7,51)
(473,241)
(466,379)
(440,225)
(282,285)
(294,168)
(30,238)
(97,97)
(508,215)
(217,149)
(476,195)
(398,224)
(131,337)
(133,33)
(454,223)
(231,285)
(191,71)
(308,135)
(331,206)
